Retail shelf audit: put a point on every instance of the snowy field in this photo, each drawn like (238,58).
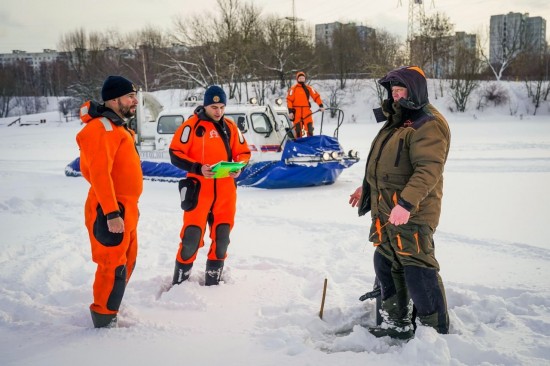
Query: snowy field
(491,246)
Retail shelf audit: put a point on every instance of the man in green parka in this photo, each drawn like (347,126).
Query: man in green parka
(403,187)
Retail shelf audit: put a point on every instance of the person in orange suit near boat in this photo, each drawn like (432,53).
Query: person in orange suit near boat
(200,142)
(299,106)
(110,162)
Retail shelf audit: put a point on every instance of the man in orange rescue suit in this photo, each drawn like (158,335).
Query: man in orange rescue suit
(200,142)
(299,107)
(110,163)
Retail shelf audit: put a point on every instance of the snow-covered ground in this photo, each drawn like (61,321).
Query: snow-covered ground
(491,246)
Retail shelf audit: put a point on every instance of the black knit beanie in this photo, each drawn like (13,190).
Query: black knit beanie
(116,86)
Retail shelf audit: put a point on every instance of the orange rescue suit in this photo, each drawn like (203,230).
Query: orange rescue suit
(297,101)
(200,140)
(110,163)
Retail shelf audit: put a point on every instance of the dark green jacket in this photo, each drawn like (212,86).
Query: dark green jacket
(407,157)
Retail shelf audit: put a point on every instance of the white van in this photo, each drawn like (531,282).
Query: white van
(264,128)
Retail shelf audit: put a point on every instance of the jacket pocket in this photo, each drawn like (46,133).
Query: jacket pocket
(393,182)
(189,193)
(101,230)
(376,234)
(405,240)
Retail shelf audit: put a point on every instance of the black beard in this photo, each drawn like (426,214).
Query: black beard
(126,111)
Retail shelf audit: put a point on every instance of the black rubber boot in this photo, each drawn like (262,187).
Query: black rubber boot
(182,272)
(213,273)
(396,317)
(431,320)
(104,320)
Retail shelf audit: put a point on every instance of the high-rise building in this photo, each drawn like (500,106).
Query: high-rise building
(442,64)
(535,34)
(465,40)
(324,33)
(515,32)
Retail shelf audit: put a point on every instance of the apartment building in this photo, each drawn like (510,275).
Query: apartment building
(513,32)
(324,32)
(33,59)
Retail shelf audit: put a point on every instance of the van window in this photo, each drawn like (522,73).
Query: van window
(239,119)
(169,124)
(260,123)
(283,120)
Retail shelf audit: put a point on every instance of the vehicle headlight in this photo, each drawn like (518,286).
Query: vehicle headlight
(161,143)
(335,155)
(279,101)
(326,156)
(353,154)
(253,100)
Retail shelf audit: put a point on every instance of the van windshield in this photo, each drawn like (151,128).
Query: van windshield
(260,123)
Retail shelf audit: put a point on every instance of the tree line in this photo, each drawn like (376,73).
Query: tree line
(238,47)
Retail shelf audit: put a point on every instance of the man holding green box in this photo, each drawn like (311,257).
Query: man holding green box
(198,146)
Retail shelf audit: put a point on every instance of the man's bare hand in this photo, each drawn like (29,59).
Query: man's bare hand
(236,174)
(206,171)
(399,216)
(116,225)
(355,197)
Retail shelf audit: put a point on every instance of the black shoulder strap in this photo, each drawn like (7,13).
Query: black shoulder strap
(306,90)
(225,133)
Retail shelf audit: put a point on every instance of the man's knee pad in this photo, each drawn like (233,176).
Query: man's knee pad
(190,241)
(382,268)
(119,285)
(222,240)
(310,129)
(424,289)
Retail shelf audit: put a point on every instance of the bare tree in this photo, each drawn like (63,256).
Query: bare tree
(238,26)
(276,51)
(385,52)
(67,106)
(464,77)
(7,89)
(83,83)
(534,76)
(336,94)
(507,45)
(346,52)
(148,48)
(431,48)
(200,62)
(74,46)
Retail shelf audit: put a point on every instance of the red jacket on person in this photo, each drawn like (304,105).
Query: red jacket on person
(297,100)
(108,157)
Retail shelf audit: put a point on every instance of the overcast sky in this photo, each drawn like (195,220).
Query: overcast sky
(33,25)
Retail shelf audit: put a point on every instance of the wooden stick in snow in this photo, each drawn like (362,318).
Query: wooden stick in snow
(323,300)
